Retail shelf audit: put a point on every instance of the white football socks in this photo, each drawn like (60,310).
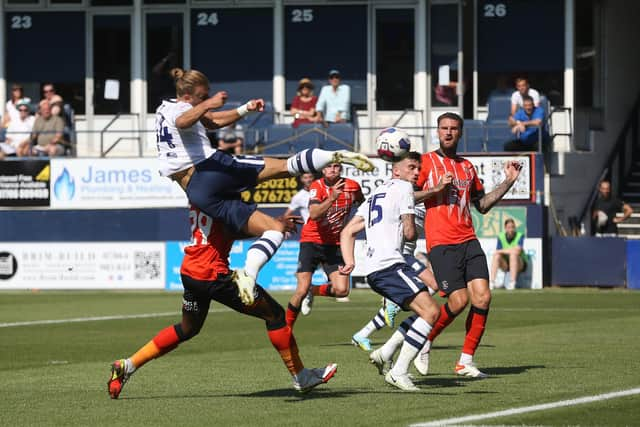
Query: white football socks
(261,251)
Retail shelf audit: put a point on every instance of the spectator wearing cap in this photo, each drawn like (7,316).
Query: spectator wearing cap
(18,140)
(11,109)
(230,140)
(303,106)
(55,101)
(334,102)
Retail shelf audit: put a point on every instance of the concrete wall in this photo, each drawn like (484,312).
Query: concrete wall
(571,191)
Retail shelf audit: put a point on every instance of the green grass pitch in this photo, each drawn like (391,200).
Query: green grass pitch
(539,347)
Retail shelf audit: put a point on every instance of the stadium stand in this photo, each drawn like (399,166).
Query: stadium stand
(473,136)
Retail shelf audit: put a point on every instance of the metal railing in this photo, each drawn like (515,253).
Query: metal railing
(624,152)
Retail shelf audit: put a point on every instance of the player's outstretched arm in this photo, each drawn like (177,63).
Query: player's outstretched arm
(348,242)
(486,202)
(219,119)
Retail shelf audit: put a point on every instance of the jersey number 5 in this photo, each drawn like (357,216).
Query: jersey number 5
(375,207)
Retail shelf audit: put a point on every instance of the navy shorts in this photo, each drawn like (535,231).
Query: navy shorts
(456,265)
(313,254)
(415,264)
(399,283)
(217,182)
(198,295)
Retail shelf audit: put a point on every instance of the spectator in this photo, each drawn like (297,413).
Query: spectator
(303,106)
(18,140)
(509,255)
(526,125)
(47,132)
(55,100)
(523,88)
(334,102)
(604,209)
(230,140)
(11,109)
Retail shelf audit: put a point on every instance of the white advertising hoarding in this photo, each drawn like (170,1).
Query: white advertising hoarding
(490,170)
(112,184)
(86,265)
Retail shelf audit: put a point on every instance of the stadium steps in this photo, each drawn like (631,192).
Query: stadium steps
(631,227)
(631,188)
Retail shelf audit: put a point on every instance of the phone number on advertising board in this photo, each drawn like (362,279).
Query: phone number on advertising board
(272,191)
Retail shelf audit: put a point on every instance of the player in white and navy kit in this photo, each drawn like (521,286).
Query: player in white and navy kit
(213,179)
(386,315)
(388,218)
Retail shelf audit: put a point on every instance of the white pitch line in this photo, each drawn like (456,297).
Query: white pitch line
(87,319)
(525,409)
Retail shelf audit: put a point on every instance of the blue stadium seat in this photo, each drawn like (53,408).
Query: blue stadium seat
(252,138)
(497,135)
(306,140)
(499,109)
(260,120)
(274,134)
(473,136)
(342,131)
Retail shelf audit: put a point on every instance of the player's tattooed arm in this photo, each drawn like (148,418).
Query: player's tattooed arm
(484,202)
(409,227)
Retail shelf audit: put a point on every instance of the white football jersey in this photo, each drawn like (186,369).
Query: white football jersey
(301,201)
(381,213)
(179,149)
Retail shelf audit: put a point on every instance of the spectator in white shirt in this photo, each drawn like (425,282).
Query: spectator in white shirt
(18,140)
(523,88)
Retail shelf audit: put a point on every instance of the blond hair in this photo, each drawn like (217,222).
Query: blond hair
(187,80)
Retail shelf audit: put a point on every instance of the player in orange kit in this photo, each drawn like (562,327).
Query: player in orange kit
(331,199)
(206,276)
(458,261)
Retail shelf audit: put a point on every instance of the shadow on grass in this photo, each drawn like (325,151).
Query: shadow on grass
(511,370)
(290,395)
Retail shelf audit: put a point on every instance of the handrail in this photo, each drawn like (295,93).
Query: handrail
(404,113)
(102,132)
(630,125)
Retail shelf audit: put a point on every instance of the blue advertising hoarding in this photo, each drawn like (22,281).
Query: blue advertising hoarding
(277,274)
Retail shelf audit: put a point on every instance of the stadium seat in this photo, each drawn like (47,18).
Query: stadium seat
(499,109)
(306,140)
(275,134)
(344,132)
(260,120)
(497,135)
(473,136)
(69,134)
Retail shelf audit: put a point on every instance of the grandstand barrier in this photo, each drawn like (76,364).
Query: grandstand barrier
(588,261)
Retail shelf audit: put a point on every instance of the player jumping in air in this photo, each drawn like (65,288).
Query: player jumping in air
(213,179)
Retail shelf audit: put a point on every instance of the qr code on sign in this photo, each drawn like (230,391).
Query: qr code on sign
(147,265)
